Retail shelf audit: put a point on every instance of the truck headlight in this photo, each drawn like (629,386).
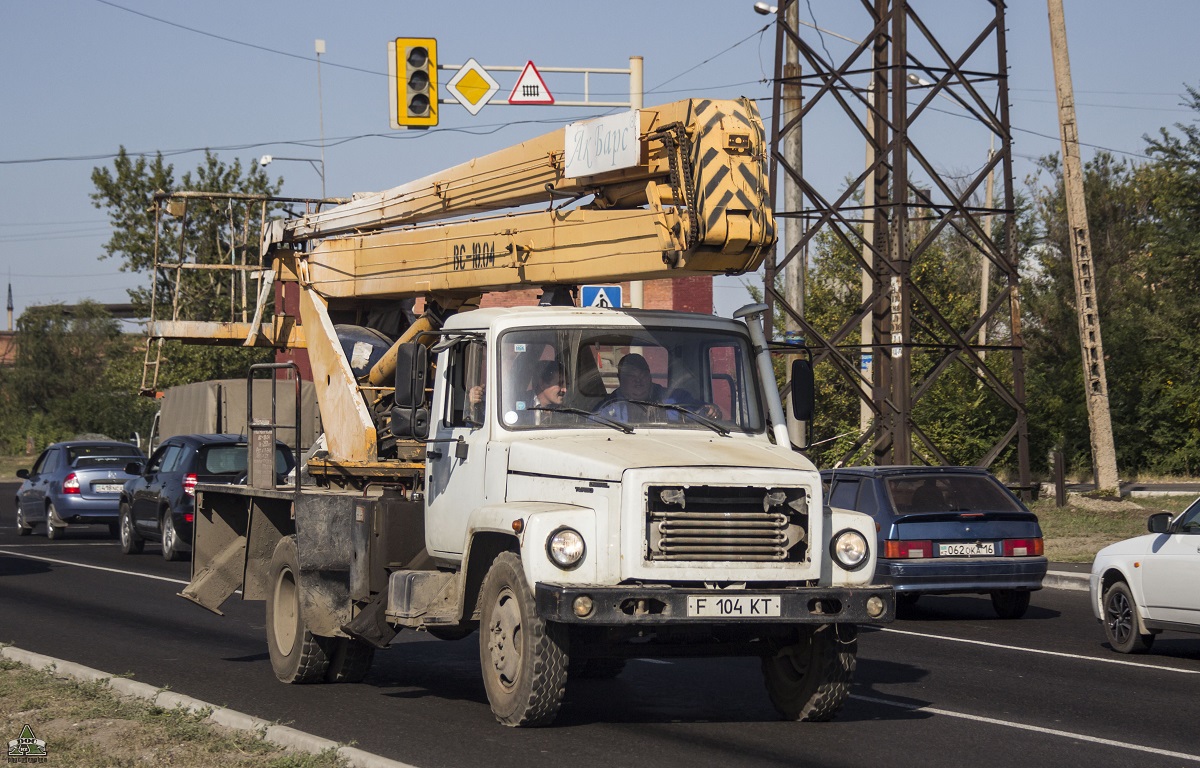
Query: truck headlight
(565,548)
(849,549)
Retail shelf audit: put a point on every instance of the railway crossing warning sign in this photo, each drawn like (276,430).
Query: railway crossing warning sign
(530,88)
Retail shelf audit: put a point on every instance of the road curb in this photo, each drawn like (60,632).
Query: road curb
(1066,580)
(280,735)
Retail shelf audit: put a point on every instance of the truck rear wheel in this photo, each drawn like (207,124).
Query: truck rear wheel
(524,657)
(297,655)
(810,680)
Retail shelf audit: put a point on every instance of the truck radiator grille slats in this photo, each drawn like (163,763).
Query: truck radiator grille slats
(706,523)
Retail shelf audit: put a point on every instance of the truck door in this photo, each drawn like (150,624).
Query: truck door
(454,484)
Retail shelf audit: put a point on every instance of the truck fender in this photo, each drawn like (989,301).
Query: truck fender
(493,529)
(840,520)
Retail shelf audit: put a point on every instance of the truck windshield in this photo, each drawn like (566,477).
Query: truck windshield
(598,378)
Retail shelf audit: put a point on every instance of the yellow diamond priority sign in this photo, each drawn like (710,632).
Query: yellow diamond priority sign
(472,86)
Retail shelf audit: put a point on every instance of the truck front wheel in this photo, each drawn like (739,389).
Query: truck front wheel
(810,680)
(297,655)
(524,657)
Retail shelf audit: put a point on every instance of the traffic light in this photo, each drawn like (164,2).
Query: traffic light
(416,82)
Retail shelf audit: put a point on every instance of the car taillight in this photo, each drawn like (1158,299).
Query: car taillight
(1023,547)
(902,549)
(70,484)
(189,485)
(188,517)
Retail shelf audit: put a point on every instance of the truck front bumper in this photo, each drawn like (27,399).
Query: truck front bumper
(633,605)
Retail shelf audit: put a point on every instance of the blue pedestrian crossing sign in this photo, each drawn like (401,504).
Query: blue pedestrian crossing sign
(607,296)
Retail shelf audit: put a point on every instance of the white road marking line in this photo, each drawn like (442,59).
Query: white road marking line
(93,567)
(1078,656)
(1024,727)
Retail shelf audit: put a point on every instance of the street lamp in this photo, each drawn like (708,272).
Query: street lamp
(765,10)
(318,166)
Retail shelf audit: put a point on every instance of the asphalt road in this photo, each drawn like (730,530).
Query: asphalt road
(952,685)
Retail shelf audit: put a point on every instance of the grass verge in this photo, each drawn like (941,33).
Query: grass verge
(87,725)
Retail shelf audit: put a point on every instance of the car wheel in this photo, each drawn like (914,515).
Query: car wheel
(170,537)
(1010,603)
(524,657)
(1121,621)
(53,532)
(23,528)
(297,655)
(131,543)
(810,680)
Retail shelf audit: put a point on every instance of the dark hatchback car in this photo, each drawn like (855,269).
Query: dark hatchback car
(945,530)
(77,482)
(160,503)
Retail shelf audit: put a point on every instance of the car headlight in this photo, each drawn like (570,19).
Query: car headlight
(565,547)
(850,549)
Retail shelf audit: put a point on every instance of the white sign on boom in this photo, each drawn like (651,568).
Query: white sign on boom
(530,88)
(603,144)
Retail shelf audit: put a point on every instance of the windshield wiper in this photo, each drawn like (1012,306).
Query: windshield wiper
(593,416)
(714,426)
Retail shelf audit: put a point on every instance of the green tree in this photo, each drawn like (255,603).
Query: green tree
(62,382)
(1144,224)
(1169,412)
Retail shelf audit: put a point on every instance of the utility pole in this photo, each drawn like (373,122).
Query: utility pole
(1104,456)
(795,273)
(985,264)
(637,295)
(319,45)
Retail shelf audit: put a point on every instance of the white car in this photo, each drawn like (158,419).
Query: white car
(1141,586)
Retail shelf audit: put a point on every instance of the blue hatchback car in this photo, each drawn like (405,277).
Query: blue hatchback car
(945,530)
(78,482)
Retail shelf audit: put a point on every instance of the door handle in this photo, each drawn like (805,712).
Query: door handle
(433,454)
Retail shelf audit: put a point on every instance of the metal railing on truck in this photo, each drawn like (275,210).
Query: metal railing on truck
(263,435)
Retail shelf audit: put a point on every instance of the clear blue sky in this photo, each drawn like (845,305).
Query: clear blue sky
(82,77)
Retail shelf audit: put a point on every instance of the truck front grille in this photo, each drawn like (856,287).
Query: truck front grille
(719,523)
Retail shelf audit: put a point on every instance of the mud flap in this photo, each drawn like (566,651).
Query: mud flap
(213,585)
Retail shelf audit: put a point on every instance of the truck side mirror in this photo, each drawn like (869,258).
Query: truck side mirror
(410,413)
(800,404)
(803,397)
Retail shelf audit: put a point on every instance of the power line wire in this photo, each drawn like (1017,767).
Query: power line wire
(238,42)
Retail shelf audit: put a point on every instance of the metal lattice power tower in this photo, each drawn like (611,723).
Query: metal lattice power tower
(927,97)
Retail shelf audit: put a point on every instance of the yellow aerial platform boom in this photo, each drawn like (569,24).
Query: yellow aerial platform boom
(695,204)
